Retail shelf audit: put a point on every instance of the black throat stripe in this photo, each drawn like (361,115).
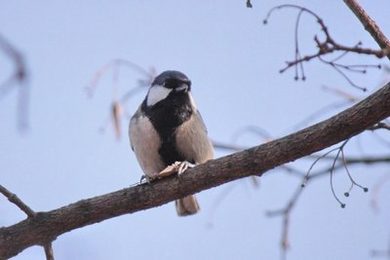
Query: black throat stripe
(166,116)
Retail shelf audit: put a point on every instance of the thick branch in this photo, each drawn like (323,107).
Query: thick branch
(370,25)
(46,226)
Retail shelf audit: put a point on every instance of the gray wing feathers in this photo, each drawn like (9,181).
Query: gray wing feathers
(192,140)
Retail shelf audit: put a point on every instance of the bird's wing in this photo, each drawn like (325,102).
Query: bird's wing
(192,140)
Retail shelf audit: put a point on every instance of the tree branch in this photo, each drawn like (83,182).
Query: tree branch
(370,25)
(18,202)
(324,47)
(46,226)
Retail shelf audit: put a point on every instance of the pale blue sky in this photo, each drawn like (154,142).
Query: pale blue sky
(233,62)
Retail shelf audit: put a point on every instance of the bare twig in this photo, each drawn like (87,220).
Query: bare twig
(327,46)
(114,65)
(286,212)
(338,92)
(286,220)
(117,103)
(382,253)
(30,214)
(116,114)
(341,68)
(376,189)
(370,25)
(320,112)
(231,147)
(18,202)
(18,77)
(20,74)
(49,251)
(342,163)
(258,131)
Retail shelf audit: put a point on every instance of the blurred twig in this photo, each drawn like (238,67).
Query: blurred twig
(117,103)
(17,78)
(375,191)
(286,215)
(382,253)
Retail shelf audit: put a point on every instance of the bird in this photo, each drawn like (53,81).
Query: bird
(167,129)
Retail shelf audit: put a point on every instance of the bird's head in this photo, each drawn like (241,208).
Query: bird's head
(169,83)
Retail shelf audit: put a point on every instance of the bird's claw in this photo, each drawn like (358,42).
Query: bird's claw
(176,167)
(183,166)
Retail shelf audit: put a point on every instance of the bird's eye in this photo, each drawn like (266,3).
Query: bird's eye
(170,83)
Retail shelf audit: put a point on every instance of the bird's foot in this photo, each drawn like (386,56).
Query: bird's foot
(183,166)
(176,167)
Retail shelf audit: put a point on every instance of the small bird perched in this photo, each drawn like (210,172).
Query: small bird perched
(167,129)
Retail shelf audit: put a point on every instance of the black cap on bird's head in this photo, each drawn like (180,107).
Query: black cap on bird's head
(172,79)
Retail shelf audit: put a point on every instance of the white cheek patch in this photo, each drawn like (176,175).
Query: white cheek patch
(156,94)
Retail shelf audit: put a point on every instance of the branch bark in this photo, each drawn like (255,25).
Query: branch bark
(46,226)
(370,25)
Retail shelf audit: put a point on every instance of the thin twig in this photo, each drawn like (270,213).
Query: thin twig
(13,198)
(114,65)
(18,77)
(49,251)
(20,74)
(325,47)
(376,189)
(117,104)
(18,202)
(286,219)
(382,253)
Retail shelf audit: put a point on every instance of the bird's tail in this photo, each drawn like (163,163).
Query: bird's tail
(187,206)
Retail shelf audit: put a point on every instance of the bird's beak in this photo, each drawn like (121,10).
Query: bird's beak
(184,87)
